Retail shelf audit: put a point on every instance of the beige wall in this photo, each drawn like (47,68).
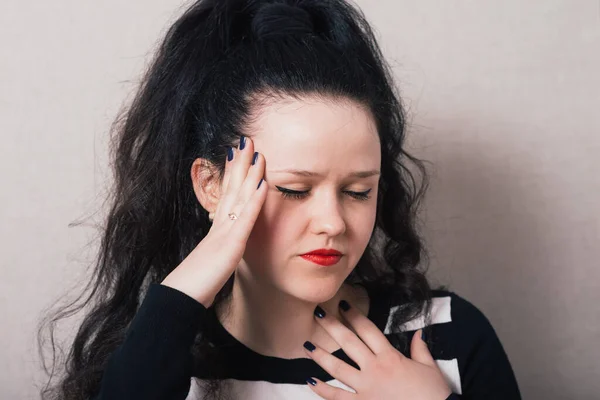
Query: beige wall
(504,99)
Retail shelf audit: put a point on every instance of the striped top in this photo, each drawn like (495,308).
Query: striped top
(155,361)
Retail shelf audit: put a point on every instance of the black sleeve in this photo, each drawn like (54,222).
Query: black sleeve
(155,360)
(484,367)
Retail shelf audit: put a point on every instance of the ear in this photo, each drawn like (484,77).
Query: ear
(206,183)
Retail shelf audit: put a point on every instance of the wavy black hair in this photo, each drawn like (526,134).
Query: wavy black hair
(217,61)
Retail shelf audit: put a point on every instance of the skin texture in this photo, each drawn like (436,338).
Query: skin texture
(276,291)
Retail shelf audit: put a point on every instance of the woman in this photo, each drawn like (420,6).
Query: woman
(261,242)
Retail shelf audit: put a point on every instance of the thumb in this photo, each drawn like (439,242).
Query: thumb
(420,352)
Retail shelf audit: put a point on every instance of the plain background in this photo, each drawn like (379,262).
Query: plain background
(503,98)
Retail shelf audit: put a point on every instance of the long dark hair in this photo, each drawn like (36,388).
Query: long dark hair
(217,61)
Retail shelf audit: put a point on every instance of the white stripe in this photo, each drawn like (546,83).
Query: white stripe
(262,390)
(338,384)
(440,314)
(450,370)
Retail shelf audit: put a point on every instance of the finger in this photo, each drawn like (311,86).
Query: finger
(337,368)
(256,172)
(329,392)
(229,157)
(241,163)
(238,170)
(250,199)
(348,341)
(247,218)
(420,352)
(366,330)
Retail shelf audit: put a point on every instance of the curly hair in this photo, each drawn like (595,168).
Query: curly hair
(194,100)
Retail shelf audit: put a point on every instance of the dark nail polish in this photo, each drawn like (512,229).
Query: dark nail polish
(229,153)
(255,157)
(344,305)
(242,143)
(423,336)
(309,346)
(311,381)
(259,184)
(319,312)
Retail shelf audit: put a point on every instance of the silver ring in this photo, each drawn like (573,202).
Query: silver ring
(232,216)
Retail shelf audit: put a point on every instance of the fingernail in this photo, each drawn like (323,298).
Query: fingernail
(319,312)
(229,153)
(259,184)
(242,143)
(344,305)
(309,346)
(423,336)
(311,381)
(255,157)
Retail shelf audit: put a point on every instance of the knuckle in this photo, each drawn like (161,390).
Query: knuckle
(336,368)
(390,358)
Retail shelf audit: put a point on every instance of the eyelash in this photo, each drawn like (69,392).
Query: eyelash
(294,194)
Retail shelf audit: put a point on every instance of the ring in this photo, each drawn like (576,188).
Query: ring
(232,216)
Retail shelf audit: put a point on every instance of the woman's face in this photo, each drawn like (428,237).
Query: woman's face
(332,139)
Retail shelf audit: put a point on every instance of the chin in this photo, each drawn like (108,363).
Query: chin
(314,290)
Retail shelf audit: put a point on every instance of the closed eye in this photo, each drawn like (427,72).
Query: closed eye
(295,194)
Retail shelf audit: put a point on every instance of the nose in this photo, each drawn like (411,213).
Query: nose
(328,216)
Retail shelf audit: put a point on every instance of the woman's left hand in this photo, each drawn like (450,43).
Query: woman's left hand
(385,373)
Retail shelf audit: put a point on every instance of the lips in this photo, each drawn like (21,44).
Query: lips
(324,257)
(324,252)
(321,260)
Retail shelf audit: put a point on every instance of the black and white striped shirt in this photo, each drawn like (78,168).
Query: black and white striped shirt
(155,361)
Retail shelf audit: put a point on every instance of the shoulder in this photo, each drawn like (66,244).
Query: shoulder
(463,328)
(463,343)
(469,338)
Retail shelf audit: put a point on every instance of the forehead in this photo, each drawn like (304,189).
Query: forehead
(316,133)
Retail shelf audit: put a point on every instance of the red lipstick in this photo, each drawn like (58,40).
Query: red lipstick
(323,257)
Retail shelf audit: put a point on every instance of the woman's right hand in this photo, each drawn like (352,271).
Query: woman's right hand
(208,267)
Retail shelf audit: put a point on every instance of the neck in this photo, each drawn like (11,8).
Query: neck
(273,323)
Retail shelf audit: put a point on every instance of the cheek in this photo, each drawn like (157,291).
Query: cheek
(359,232)
(361,225)
(271,233)
(359,212)
(276,218)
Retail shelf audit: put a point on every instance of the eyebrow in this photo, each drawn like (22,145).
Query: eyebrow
(311,174)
